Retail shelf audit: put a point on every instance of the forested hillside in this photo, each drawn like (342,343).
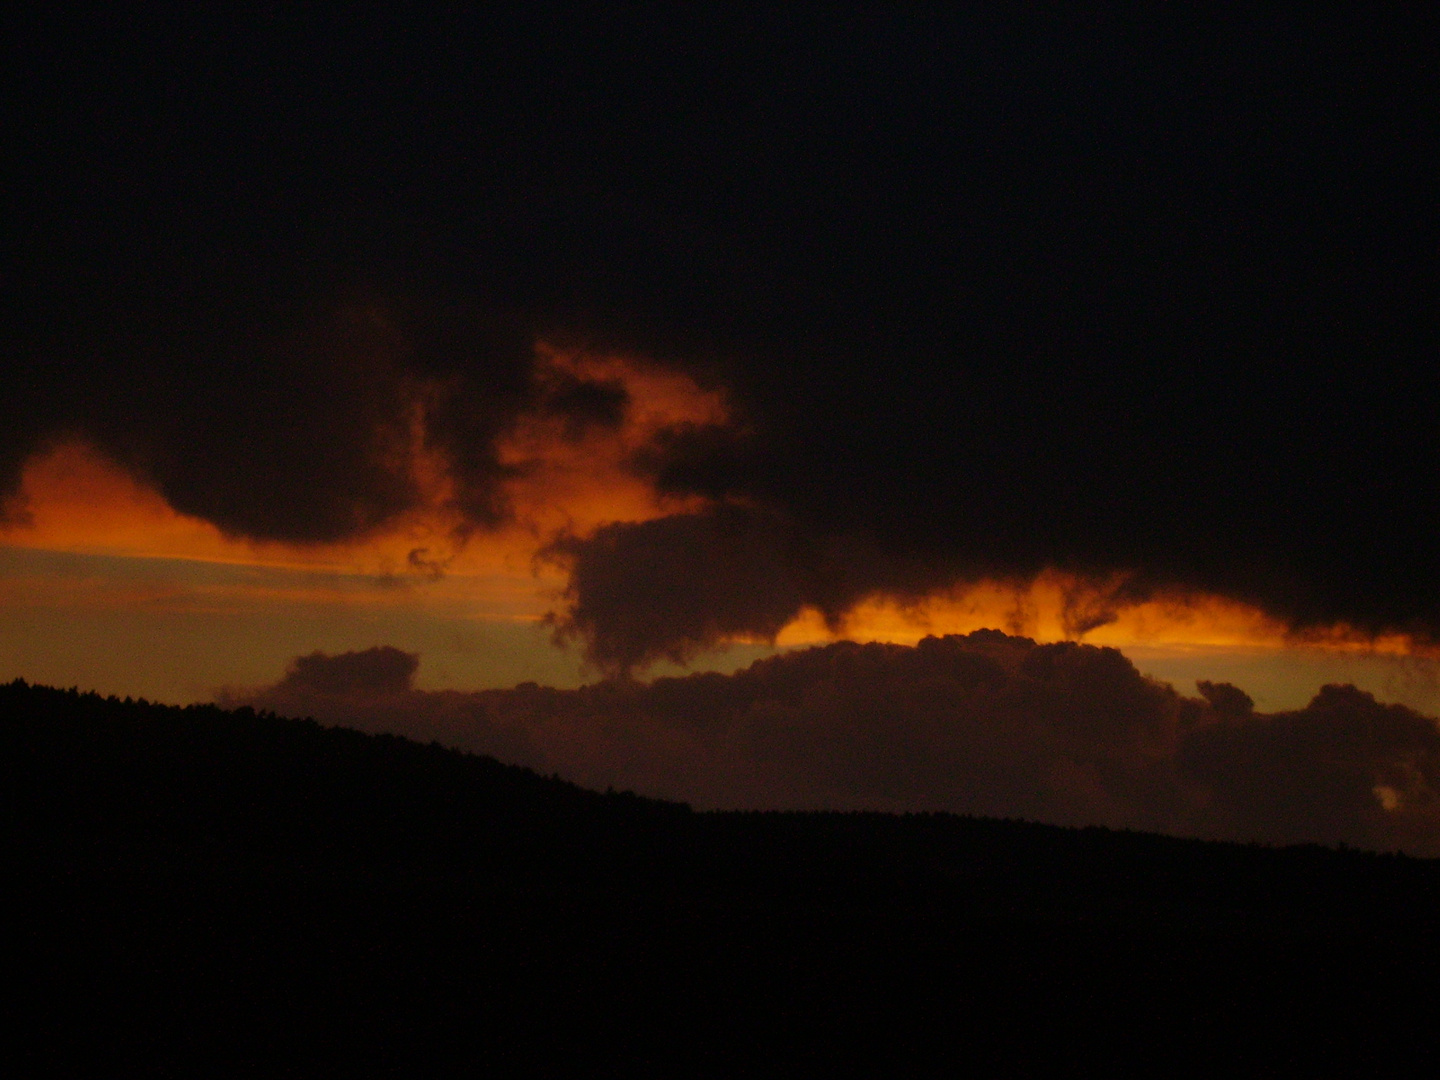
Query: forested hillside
(207,890)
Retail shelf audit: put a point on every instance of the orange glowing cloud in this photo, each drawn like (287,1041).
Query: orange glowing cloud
(564,481)
(1044,609)
(74,499)
(574,485)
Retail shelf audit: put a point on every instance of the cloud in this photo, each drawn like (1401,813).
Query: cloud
(371,673)
(676,586)
(981,724)
(985,294)
(1343,768)
(311,425)
(295,422)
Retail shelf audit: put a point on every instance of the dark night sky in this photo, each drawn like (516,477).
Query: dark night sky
(1141,292)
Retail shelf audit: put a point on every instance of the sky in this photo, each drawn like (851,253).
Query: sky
(559,345)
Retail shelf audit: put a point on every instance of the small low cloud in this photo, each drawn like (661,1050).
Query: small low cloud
(985,723)
(384,670)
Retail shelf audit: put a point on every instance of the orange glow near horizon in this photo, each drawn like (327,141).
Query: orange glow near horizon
(1039,610)
(75,500)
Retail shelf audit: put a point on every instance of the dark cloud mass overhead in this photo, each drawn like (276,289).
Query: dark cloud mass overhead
(984,724)
(1150,293)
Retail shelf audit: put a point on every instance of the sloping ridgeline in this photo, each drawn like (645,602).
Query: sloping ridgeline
(201,891)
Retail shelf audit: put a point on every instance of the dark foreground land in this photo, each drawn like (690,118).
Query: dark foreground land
(207,892)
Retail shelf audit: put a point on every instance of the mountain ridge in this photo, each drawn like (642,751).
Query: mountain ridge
(235,871)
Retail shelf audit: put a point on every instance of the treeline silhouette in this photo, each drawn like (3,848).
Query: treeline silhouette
(202,890)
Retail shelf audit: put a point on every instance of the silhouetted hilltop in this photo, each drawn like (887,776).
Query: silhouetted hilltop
(201,886)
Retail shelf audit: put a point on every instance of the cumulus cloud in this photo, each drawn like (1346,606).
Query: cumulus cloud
(981,724)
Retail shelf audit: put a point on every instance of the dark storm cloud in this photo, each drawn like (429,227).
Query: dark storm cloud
(983,724)
(988,292)
(678,585)
(302,435)
(675,586)
(306,423)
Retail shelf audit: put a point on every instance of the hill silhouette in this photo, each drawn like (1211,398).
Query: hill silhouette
(214,890)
